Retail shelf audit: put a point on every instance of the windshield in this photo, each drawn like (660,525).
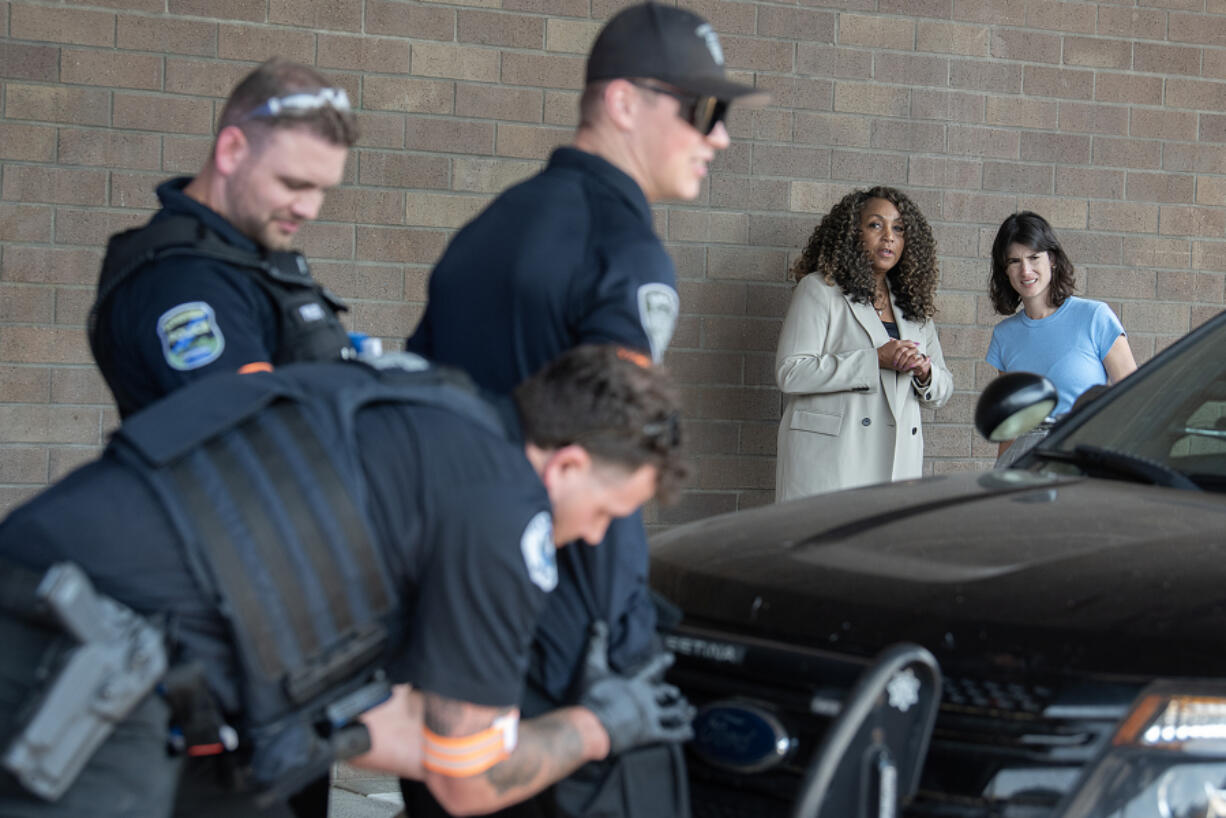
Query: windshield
(1172,411)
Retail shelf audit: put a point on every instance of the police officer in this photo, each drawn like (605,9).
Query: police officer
(570,257)
(209,284)
(297,534)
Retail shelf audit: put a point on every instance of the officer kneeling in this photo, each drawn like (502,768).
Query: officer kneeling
(302,540)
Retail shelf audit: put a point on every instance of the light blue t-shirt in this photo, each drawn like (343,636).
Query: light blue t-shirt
(1067,346)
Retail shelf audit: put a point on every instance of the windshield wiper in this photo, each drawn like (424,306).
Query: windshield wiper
(1124,464)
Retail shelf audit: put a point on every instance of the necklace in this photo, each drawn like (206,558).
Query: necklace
(883,299)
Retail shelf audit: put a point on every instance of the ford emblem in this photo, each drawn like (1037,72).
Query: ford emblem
(741,736)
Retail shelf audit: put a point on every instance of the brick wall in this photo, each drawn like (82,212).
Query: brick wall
(1109,118)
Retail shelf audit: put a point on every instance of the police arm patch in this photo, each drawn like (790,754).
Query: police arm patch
(190,336)
(658,308)
(538,549)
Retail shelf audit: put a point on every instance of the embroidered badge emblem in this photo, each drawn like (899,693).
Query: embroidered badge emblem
(190,336)
(712,40)
(538,548)
(658,308)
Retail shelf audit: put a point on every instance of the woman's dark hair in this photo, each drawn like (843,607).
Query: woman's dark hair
(1031,230)
(615,404)
(835,251)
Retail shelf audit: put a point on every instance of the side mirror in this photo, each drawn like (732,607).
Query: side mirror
(869,761)
(1013,404)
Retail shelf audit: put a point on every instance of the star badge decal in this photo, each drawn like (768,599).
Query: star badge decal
(903,690)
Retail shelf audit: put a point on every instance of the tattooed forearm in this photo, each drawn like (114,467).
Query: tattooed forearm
(549,748)
(441,716)
(545,744)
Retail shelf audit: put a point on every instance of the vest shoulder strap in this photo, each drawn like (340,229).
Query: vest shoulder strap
(408,378)
(188,417)
(132,250)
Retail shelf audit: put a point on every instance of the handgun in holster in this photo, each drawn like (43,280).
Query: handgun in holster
(113,660)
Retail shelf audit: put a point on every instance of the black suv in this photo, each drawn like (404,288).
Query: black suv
(1076,605)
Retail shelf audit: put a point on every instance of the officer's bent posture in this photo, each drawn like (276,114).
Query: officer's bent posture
(211,283)
(289,544)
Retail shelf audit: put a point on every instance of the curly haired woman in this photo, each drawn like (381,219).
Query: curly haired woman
(858,355)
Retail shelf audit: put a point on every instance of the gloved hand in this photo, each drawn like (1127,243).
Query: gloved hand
(635,710)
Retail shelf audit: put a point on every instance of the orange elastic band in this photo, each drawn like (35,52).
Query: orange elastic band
(634,357)
(464,756)
(255,366)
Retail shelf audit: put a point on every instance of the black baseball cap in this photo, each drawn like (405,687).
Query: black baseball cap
(670,44)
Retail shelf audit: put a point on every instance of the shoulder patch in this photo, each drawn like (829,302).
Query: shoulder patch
(658,308)
(538,548)
(190,336)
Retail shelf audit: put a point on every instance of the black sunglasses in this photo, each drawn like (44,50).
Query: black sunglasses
(704,113)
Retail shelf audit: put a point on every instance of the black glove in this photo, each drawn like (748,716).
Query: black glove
(635,710)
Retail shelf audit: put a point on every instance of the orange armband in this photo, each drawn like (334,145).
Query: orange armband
(464,756)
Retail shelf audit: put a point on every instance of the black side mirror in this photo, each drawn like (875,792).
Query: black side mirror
(1013,404)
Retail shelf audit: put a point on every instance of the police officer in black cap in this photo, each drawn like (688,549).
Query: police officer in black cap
(570,257)
(306,538)
(210,284)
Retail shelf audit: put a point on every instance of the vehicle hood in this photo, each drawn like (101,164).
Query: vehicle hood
(1019,568)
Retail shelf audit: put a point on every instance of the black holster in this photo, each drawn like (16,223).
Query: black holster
(109,662)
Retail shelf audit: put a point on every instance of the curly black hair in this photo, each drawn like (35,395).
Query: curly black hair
(1028,229)
(835,251)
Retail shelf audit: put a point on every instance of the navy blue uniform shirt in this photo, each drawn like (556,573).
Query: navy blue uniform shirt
(472,518)
(223,304)
(565,258)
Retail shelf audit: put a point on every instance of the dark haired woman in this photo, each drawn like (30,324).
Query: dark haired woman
(858,355)
(1075,342)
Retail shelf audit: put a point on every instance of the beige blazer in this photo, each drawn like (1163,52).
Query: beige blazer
(847,422)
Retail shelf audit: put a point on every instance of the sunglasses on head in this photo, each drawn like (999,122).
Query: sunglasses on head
(703,112)
(301,103)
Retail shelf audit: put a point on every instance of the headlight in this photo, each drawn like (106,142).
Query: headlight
(1167,759)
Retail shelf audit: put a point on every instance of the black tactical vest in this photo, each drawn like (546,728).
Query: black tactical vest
(308,327)
(262,480)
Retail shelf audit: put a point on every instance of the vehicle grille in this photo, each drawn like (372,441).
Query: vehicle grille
(1001,747)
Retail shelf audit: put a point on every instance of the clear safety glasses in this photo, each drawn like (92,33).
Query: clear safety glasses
(301,104)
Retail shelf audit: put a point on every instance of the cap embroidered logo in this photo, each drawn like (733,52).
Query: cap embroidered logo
(712,40)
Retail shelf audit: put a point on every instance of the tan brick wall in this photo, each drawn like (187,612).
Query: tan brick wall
(1109,118)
